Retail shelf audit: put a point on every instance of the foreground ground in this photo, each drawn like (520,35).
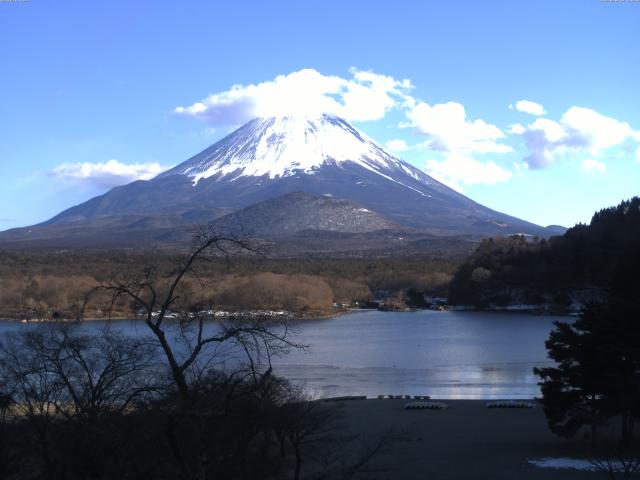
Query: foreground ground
(466,441)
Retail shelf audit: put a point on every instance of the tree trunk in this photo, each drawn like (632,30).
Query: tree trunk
(281,440)
(296,475)
(625,428)
(266,444)
(176,371)
(174,447)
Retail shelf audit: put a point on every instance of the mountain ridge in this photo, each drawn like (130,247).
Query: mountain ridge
(267,158)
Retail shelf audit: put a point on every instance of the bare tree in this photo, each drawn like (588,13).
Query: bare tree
(302,424)
(350,456)
(80,391)
(154,297)
(35,391)
(62,380)
(7,452)
(316,433)
(57,370)
(621,463)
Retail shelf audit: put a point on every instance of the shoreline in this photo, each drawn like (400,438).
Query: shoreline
(216,316)
(320,315)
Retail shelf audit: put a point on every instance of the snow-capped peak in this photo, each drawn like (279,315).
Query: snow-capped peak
(285,146)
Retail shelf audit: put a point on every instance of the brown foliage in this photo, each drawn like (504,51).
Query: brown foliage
(41,296)
(273,291)
(38,284)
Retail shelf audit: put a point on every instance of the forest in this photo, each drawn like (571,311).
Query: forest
(43,284)
(581,265)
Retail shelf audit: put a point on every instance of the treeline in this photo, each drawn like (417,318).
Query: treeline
(595,379)
(47,284)
(577,266)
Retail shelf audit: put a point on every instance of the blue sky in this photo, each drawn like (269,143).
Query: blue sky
(91,92)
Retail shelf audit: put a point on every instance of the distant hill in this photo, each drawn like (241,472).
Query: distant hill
(297,211)
(581,264)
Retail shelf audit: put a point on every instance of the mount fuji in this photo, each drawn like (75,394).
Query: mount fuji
(252,176)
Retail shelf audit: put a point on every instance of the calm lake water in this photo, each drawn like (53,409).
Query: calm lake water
(442,354)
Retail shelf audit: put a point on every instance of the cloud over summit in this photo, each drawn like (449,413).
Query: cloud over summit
(362,97)
(367,96)
(455,149)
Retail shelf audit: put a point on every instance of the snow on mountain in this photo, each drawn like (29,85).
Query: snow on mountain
(285,146)
(310,173)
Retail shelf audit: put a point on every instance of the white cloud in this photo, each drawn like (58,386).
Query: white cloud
(592,165)
(552,131)
(449,130)
(543,139)
(397,145)
(527,106)
(516,129)
(108,174)
(593,130)
(365,96)
(370,96)
(457,170)
(579,130)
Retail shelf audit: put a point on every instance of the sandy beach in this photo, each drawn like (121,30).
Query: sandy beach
(466,441)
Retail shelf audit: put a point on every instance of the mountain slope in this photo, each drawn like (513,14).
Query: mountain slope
(267,158)
(297,212)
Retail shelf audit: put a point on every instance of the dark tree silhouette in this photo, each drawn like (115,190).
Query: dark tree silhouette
(584,262)
(597,375)
(65,387)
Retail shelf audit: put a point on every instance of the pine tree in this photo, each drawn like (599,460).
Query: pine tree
(597,375)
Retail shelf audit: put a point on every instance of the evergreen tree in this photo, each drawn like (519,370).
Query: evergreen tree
(597,375)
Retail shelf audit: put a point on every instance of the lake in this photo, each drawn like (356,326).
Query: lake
(453,355)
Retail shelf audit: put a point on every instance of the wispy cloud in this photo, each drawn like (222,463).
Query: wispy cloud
(458,170)
(107,174)
(593,166)
(397,145)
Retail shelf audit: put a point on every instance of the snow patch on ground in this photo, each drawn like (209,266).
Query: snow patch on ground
(570,463)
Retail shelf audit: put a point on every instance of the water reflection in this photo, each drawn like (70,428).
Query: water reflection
(442,354)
